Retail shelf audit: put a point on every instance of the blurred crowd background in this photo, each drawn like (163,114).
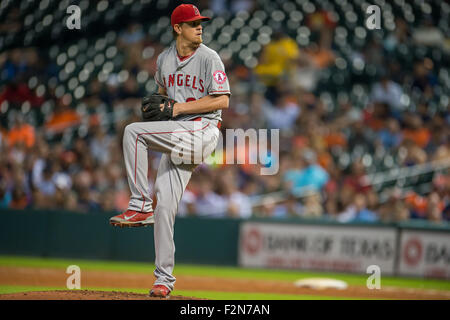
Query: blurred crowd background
(363,114)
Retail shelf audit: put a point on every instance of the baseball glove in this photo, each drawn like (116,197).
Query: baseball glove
(152,111)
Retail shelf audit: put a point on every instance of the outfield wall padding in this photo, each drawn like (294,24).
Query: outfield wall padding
(90,236)
(420,248)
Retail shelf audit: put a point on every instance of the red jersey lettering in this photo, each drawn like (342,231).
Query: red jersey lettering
(202,89)
(188,77)
(179,80)
(171,80)
(193,83)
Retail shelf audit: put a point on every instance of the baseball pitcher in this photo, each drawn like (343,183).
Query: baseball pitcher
(192,90)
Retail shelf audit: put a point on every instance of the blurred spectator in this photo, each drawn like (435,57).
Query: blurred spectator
(238,116)
(242,5)
(435,208)
(416,204)
(238,203)
(375,115)
(427,33)
(267,209)
(391,136)
(289,208)
(358,211)
(19,199)
(321,54)
(400,35)
(46,185)
(416,131)
(360,137)
(100,145)
(218,7)
(307,74)
(14,65)
(21,133)
(331,207)
(373,54)
(346,195)
(12,23)
(347,114)
(258,103)
(387,91)
(283,114)
(106,201)
(5,195)
(71,202)
(439,134)
(130,90)
(276,61)
(17,94)
(441,186)
(209,203)
(442,153)
(321,20)
(356,178)
(394,209)
(312,206)
(410,154)
(307,175)
(133,34)
(424,79)
(187,204)
(3,135)
(63,117)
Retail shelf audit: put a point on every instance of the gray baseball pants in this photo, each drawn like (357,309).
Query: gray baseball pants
(184,145)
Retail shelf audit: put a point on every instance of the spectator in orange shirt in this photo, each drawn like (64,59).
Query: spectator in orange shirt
(21,133)
(321,53)
(416,131)
(335,138)
(62,118)
(416,204)
(19,199)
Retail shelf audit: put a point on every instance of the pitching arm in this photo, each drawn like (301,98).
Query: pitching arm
(206,104)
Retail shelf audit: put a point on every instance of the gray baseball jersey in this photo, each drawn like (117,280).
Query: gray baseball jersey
(193,77)
(185,79)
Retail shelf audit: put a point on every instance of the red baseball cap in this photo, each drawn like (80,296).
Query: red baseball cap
(186,13)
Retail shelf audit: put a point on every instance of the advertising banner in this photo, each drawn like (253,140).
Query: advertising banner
(314,247)
(425,254)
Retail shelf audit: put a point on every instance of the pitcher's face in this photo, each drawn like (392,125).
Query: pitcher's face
(192,31)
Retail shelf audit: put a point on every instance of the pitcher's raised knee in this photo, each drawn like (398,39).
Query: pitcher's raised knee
(131,129)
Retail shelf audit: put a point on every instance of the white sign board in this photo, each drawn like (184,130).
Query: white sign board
(425,254)
(311,247)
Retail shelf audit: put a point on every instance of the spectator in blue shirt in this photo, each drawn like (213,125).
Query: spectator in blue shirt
(391,136)
(357,211)
(311,176)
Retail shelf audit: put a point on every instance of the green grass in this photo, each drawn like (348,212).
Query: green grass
(221,271)
(4,289)
(14,289)
(213,295)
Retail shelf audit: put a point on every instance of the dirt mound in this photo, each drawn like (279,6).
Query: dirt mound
(85,295)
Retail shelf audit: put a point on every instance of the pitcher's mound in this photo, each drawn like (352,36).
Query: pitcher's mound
(85,295)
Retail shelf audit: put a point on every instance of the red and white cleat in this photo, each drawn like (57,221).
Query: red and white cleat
(132,218)
(160,291)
